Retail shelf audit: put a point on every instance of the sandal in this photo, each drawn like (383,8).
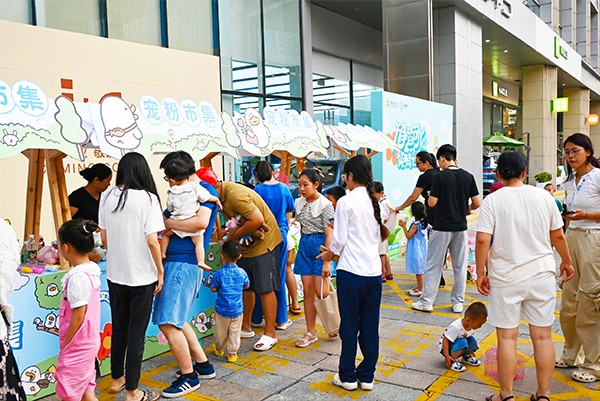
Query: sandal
(583,377)
(296,311)
(538,397)
(508,397)
(415,292)
(149,395)
(265,343)
(306,340)
(559,363)
(247,334)
(231,358)
(111,391)
(283,326)
(218,353)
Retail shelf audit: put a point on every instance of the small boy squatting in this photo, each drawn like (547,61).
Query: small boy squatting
(458,341)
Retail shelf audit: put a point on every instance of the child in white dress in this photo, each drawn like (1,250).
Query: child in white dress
(183,201)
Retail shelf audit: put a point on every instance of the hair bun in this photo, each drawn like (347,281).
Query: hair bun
(88,226)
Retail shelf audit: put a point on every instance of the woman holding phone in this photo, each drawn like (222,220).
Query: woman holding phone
(580,311)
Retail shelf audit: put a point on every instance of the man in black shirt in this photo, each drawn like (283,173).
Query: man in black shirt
(451,190)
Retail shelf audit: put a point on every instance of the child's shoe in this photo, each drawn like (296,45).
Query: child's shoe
(389,276)
(231,358)
(218,353)
(471,360)
(383,279)
(457,367)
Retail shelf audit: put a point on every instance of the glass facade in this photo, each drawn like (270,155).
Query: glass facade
(260,49)
(84,15)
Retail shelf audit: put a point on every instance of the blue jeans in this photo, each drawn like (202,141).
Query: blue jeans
(359,300)
(466,345)
(281,295)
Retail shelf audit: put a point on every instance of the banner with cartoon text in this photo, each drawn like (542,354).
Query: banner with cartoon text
(413,125)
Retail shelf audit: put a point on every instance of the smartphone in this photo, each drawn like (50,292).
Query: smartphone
(568,212)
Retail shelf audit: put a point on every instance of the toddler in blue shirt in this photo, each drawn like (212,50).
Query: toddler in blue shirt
(229,284)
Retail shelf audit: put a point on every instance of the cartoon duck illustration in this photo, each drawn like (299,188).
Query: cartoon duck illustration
(49,324)
(254,129)
(121,129)
(34,380)
(10,139)
(202,322)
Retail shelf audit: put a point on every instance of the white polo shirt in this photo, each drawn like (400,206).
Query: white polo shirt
(356,235)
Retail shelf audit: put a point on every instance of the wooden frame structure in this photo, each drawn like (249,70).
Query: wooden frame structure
(49,162)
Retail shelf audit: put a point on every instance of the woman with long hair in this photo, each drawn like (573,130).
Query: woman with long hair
(356,237)
(579,312)
(130,217)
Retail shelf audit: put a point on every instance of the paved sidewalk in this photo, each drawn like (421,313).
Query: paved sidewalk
(409,368)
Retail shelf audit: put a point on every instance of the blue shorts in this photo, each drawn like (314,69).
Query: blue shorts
(306,263)
(181,285)
(466,345)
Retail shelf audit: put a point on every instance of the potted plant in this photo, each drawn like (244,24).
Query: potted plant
(543,179)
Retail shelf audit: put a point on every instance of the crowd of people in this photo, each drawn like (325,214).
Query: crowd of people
(344,231)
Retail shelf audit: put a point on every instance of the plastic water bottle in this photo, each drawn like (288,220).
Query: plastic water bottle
(24,252)
(32,247)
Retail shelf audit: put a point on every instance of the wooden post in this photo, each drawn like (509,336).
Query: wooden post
(207,161)
(61,210)
(35,184)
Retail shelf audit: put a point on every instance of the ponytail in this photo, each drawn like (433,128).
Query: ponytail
(384,233)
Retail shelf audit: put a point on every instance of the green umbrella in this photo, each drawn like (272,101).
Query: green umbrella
(502,140)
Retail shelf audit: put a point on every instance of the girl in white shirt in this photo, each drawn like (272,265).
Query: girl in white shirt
(79,332)
(356,237)
(130,217)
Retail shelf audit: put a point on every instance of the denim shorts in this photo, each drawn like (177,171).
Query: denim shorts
(181,285)
(306,263)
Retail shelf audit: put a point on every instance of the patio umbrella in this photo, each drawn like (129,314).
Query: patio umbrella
(502,140)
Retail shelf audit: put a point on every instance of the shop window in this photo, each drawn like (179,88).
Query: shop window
(83,16)
(190,25)
(16,10)
(135,21)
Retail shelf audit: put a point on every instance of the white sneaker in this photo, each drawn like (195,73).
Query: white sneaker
(457,367)
(366,386)
(421,306)
(345,385)
(471,360)
(458,308)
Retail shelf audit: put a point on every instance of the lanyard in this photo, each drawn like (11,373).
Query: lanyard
(577,189)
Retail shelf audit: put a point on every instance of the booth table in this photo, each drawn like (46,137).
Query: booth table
(34,337)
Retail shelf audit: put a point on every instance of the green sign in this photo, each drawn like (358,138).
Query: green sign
(495,89)
(559,105)
(559,51)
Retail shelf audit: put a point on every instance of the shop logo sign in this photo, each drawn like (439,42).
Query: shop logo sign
(498,90)
(559,51)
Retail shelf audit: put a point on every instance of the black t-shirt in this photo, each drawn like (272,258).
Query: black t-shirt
(424,182)
(453,187)
(87,206)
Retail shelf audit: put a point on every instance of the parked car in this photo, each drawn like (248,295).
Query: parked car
(490,162)
(331,169)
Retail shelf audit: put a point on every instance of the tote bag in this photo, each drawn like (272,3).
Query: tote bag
(327,309)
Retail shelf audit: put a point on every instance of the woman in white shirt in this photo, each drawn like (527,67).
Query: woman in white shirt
(580,306)
(520,280)
(130,217)
(356,236)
